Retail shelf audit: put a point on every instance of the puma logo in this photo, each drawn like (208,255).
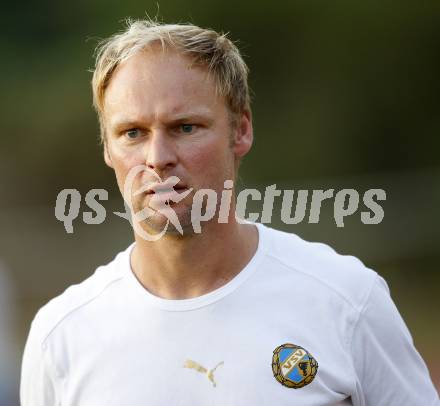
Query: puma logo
(208,372)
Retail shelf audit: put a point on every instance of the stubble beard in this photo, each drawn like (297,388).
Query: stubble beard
(157,222)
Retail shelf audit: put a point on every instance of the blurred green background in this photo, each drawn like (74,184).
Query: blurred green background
(345,95)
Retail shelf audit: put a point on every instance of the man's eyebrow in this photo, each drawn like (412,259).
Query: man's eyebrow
(187,117)
(124,123)
(191,111)
(200,114)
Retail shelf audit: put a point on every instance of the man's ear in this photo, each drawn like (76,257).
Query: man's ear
(107,157)
(243,134)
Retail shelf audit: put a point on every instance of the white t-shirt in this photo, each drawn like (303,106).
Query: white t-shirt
(299,325)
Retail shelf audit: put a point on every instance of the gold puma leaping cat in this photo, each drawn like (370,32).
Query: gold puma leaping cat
(209,373)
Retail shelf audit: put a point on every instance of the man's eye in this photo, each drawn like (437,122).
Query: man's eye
(133,133)
(187,128)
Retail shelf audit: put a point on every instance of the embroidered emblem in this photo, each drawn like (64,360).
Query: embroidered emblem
(208,372)
(293,366)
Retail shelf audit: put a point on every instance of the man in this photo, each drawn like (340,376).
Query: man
(234,314)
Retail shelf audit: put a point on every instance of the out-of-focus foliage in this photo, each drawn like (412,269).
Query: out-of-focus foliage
(339,87)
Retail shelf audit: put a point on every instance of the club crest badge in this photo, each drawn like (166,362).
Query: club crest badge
(293,366)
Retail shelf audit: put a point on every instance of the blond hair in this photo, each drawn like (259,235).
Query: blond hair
(204,46)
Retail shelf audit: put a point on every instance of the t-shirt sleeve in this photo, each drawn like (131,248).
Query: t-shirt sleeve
(37,387)
(389,369)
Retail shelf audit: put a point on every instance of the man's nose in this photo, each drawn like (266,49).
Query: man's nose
(160,151)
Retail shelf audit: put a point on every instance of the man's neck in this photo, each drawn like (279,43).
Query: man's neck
(186,267)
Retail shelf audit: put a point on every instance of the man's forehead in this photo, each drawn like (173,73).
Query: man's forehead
(159,85)
(142,78)
(148,64)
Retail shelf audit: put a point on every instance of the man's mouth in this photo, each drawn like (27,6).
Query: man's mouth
(164,190)
(164,193)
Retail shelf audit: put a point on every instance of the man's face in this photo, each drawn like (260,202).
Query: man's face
(163,112)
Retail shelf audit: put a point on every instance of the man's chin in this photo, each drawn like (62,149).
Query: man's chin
(170,221)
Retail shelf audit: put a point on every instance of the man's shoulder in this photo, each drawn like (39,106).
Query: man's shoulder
(76,296)
(345,275)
